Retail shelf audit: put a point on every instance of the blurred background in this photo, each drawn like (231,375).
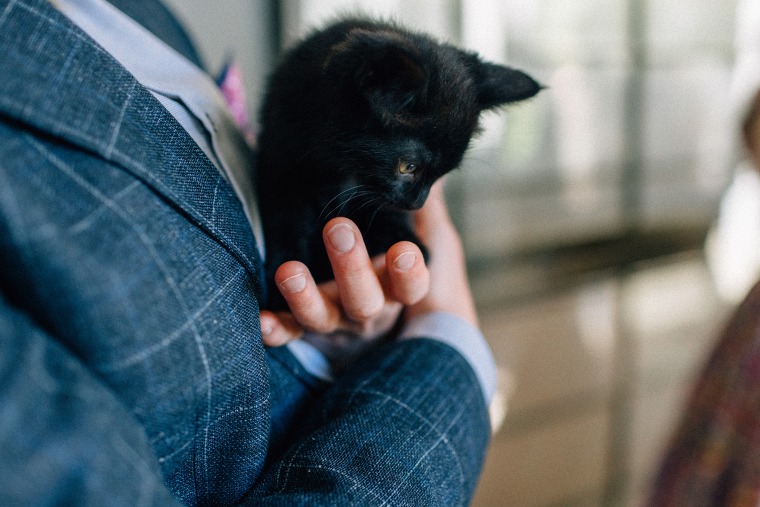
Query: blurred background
(585,214)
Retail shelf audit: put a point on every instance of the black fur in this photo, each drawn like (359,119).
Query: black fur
(347,108)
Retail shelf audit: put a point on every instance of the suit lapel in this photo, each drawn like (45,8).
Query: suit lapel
(54,78)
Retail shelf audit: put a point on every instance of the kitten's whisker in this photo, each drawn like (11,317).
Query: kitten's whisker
(350,200)
(340,211)
(373,198)
(372,219)
(322,213)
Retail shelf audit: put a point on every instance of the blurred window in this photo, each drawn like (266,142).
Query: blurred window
(632,134)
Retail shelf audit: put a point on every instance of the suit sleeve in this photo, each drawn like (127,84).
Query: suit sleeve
(406,425)
(65,439)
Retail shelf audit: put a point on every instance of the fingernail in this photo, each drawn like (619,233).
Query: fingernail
(405,261)
(294,284)
(341,237)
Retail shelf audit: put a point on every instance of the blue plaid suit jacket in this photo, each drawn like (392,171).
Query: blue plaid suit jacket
(131,364)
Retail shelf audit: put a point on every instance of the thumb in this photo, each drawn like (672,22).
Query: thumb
(433,214)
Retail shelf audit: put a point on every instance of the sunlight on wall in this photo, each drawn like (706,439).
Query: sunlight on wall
(733,246)
(437,17)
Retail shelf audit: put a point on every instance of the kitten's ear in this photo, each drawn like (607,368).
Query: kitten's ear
(387,70)
(499,85)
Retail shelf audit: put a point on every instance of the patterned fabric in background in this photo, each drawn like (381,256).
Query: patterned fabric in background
(714,459)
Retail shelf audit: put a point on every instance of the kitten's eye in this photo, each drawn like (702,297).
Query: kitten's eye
(406,167)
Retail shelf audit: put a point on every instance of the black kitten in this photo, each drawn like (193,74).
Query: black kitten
(359,120)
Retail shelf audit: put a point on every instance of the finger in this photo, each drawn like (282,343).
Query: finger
(408,279)
(308,305)
(279,329)
(361,294)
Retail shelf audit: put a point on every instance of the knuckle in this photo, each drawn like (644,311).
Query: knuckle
(365,311)
(318,320)
(323,327)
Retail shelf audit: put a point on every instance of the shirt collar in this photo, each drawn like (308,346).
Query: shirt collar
(202,110)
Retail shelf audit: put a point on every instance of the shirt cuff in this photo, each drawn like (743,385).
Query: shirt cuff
(444,327)
(312,360)
(465,338)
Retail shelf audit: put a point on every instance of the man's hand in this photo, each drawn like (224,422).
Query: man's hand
(343,316)
(365,299)
(449,286)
